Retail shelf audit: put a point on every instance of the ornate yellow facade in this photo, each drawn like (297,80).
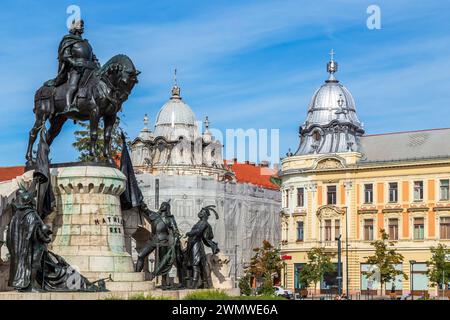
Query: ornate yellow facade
(352,211)
(342,182)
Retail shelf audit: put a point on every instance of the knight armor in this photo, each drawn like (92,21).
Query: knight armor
(76,62)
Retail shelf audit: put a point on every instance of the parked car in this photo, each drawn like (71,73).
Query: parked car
(280,291)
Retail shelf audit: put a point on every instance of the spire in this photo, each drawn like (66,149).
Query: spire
(175,89)
(332,67)
(206,123)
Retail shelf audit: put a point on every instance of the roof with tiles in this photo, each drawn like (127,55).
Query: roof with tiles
(256,174)
(408,145)
(9,173)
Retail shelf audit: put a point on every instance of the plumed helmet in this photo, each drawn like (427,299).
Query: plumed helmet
(206,211)
(165,206)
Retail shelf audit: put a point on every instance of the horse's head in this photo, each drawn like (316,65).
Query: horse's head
(121,73)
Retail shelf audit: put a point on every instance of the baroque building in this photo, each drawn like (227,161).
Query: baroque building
(341,182)
(178,163)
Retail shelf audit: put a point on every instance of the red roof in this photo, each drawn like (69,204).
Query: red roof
(252,173)
(9,173)
(245,172)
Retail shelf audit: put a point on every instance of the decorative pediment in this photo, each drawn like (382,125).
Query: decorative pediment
(328,211)
(329,162)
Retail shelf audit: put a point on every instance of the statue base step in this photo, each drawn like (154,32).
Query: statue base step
(118,295)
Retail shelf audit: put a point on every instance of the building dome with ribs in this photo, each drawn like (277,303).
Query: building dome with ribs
(331,124)
(176,119)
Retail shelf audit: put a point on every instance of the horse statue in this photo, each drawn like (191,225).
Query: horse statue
(99,96)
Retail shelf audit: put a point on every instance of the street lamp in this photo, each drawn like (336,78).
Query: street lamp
(411,270)
(339,277)
(347,280)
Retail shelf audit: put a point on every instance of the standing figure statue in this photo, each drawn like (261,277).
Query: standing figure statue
(164,238)
(201,234)
(76,61)
(32,266)
(26,240)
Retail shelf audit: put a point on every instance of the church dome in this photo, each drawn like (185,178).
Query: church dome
(331,124)
(176,118)
(332,101)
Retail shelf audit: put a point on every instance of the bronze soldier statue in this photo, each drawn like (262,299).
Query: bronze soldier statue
(164,236)
(76,62)
(201,234)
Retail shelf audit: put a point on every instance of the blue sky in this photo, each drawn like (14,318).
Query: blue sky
(245,64)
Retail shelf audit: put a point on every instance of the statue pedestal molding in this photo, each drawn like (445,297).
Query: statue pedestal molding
(88,226)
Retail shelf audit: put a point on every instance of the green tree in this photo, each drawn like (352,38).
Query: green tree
(264,264)
(438,268)
(385,259)
(82,141)
(319,263)
(244,285)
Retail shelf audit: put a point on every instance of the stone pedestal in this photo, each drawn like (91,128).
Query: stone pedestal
(88,227)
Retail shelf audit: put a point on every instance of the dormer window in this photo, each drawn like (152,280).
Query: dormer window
(316,136)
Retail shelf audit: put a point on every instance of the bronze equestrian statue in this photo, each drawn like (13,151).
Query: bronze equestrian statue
(82,91)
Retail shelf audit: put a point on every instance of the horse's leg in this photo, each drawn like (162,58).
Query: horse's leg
(56,125)
(39,121)
(93,127)
(109,122)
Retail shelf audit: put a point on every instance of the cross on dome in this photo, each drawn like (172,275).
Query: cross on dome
(332,67)
(332,53)
(175,89)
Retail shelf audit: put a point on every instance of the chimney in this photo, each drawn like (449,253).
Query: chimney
(264,164)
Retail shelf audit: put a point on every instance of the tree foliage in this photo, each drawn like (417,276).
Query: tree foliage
(385,259)
(82,141)
(319,263)
(438,267)
(264,265)
(245,286)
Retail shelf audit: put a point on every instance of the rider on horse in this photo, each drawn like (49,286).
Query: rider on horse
(76,62)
